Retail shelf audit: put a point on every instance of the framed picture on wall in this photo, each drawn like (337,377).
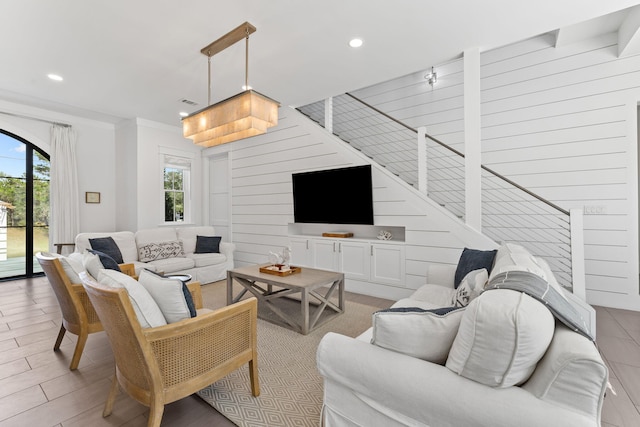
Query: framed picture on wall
(92,197)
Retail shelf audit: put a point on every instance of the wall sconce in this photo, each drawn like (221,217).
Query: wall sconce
(432,77)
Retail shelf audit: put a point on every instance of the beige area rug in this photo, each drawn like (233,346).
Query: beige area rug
(290,386)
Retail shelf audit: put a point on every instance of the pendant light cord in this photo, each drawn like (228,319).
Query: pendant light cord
(246,63)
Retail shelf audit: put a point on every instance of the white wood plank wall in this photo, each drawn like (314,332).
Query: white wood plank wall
(262,201)
(554,121)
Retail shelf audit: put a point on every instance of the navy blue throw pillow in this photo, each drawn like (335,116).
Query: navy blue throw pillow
(473,259)
(108,246)
(106,261)
(208,244)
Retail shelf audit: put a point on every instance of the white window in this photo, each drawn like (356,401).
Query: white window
(177,186)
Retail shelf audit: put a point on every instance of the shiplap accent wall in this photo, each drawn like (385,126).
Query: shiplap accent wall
(262,200)
(556,121)
(411,100)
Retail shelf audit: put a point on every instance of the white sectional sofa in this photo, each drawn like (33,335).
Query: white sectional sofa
(203,267)
(504,360)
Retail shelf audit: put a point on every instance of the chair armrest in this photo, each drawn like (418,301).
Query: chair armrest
(129,269)
(441,274)
(227,249)
(216,340)
(196,294)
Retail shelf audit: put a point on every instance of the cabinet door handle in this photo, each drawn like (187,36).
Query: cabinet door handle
(340,247)
(371,250)
(334,246)
(307,244)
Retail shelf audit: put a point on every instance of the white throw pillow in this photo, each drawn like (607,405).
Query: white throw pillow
(71,266)
(424,334)
(168,294)
(470,287)
(147,311)
(502,336)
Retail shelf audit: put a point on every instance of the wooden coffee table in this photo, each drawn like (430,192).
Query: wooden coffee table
(267,288)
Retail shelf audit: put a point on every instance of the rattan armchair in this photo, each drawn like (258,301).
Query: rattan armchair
(160,365)
(78,315)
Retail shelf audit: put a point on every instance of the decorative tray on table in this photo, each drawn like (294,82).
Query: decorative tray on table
(280,269)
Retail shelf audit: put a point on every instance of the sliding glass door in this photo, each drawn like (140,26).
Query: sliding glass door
(24,206)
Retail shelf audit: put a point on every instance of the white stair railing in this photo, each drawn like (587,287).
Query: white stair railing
(510,212)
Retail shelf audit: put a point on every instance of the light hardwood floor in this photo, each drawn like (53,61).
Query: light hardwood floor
(37,388)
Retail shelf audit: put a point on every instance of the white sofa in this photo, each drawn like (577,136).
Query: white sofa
(369,385)
(203,267)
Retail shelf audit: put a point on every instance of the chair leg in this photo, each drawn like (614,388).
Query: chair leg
(82,340)
(111,398)
(56,346)
(253,377)
(156,409)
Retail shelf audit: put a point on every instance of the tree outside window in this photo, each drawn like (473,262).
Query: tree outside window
(174,194)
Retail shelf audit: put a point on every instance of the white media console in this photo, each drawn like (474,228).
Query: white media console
(371,266)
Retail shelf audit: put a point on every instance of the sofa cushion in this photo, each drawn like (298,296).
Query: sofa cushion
(124,239)
(208,244)
(95,261)
(203,260)
(145,307)
(435,295)
(171,265)
(425,334)
(425,305)
(160,250)
(171,295)
(188,236)
(502,336)
(473,259)
(108,246)
(470,287)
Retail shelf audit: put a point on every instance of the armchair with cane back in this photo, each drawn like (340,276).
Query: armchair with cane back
(162,364)
(78,315)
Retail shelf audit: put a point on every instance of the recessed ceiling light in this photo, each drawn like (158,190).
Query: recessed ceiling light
(355,42)
(183,114)
(55,77)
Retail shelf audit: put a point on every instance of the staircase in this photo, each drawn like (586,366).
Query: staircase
(510,213)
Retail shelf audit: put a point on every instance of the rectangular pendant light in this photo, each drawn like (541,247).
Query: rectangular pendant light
(246,114)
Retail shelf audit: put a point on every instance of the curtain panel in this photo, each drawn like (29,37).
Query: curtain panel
(64,200)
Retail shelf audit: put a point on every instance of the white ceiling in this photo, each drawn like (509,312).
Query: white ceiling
(122,59)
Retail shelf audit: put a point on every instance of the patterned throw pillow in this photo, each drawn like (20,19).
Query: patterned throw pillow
(162,250)
(470,287)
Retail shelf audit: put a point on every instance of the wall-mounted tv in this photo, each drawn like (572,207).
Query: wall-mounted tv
(334,196)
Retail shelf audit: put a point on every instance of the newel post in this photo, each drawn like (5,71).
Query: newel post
(422,160)
(328,114)
(577,253)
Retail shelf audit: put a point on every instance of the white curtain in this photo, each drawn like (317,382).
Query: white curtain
(64,202)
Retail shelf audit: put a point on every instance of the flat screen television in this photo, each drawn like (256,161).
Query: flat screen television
(334,196)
